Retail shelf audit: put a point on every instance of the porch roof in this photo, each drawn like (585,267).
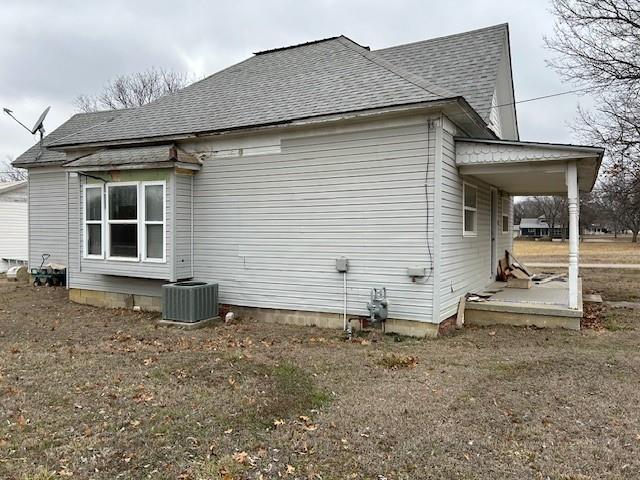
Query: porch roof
(527,168)
(158,156)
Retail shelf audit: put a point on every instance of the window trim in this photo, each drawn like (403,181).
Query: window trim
(465,232)
(144,222)
(110,222)
(502,230)
(140,222)
(85,222)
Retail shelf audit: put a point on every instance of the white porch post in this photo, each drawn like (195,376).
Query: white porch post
(572,200)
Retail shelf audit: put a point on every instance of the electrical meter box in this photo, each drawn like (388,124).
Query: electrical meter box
(342,264)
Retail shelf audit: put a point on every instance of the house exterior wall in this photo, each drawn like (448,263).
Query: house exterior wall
(183,225)
(269,226)
(14,237)
(48,215)
(465,260)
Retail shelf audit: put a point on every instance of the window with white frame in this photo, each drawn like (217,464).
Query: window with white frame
(505,214)
(154,216)
(130,226)
(93,216)
(122,220)
(470,209)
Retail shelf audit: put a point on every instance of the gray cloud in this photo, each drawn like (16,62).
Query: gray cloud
(52,51)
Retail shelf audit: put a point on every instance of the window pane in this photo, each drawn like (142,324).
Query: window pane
(94,204)
(94,239)
(123,203)
(505,223)
(124,240)
(469,196)
(153,202)
(155,241)
(469,221)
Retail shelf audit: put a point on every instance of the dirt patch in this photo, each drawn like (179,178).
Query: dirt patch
(91,393)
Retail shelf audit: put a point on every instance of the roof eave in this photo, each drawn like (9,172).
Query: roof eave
(472,124)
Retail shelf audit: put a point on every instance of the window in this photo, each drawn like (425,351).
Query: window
(93,244)
(470,209)
(135,221)
(123,220)
(505,214)
(154,221)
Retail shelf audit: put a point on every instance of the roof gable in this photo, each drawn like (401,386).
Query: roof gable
(465,63)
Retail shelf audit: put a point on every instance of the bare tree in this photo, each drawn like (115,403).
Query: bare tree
(9,173)
(596,42)
(128,91)
(554,210)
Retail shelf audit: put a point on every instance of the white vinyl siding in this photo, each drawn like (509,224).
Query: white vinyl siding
(47,216)
(184,226)
(268,228)
(14,238)
(465,260)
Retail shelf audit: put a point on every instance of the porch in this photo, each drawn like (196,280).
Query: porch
(542,305)
(529,169)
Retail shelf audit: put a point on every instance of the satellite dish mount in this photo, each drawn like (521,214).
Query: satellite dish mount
(37,127)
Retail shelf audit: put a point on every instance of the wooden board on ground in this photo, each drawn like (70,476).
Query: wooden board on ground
(460,316)
(513,282)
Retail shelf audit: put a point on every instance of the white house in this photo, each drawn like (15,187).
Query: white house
(258,177)
(13,223)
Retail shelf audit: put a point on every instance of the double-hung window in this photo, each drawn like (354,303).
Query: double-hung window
(470,210)
(130,226)
(154,221)
(93,216)
(122,219)
(505,214)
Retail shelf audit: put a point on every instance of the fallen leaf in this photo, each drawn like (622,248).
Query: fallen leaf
(228,431)
(492,333)
(291,469)
(277,422)
(241,457)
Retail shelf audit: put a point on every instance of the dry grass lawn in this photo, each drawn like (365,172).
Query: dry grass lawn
(88,393)
(590,251)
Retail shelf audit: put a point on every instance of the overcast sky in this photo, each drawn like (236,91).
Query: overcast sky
(50,52)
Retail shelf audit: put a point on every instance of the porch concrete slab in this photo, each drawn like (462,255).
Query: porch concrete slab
(549,299)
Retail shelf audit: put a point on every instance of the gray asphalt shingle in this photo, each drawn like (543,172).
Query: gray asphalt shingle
(319,78)
(78,123)
(465,63)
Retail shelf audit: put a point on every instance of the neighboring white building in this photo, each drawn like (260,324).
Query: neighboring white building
(404,160)
(13,224)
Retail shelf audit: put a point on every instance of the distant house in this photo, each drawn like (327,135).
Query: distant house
(538,228)
(13,224)
(404,160)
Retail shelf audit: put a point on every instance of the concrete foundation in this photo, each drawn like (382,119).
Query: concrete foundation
(98,298)
(409,328)
(491,317)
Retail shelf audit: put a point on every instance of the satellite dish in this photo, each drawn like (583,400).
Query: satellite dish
(39,124)
(38,127)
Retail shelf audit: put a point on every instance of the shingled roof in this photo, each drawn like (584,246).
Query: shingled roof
(330,76)
(466,63)
(78,123)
